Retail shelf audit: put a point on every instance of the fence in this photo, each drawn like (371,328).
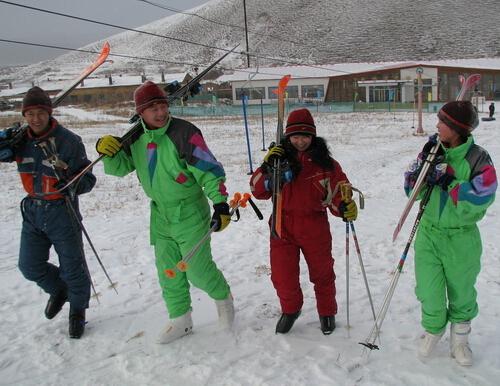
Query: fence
(270,109)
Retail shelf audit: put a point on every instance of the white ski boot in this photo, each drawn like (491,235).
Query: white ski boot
(225,310)
(427,343)
(176,328)
(459,343)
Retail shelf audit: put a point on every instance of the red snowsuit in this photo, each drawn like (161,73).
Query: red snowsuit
(305,228)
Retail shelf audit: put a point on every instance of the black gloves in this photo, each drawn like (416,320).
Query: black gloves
(441,176)
(221,217)
(433,140)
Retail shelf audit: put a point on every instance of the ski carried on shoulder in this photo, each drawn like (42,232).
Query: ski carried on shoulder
(467,85)
(21,130)
(136,123)
(276,217)
(85,73)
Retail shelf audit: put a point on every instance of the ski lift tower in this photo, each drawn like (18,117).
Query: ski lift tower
(420,130)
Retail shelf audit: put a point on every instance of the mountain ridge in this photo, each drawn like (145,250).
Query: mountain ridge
(297,32)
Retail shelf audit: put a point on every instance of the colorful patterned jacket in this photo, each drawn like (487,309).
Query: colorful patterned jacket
(37,174)
(469,195)
(173,163)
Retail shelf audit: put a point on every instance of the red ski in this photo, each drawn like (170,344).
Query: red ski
(85,73)
(276,225)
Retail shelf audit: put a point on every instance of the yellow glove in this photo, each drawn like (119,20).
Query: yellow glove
(221,217)
(276,152)
(348,210)
(108,145)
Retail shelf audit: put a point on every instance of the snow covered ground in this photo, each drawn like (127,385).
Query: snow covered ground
(119,346)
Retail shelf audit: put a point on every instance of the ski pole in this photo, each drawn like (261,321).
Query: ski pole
(361,198)
(358,251)
(236,202)
(56,162)
(346,194)
(374,333)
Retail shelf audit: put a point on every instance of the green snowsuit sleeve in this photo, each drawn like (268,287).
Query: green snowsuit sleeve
(120,165)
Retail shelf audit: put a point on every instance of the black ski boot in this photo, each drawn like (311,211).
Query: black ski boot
(55,304)
(76,323)
(327,324)
(286,322)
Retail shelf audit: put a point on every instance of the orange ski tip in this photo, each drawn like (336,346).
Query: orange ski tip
(247,196)
(170,273)
(106,48)
(182,266)
(284,81)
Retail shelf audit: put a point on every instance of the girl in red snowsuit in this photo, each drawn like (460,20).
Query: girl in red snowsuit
(311,185)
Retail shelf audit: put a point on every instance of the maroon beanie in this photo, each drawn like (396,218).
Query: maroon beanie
(36,98)
(460,116)
(147,94)
(300,122)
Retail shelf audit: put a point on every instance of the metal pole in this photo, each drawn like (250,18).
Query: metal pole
(420,129)
(244,103)
(262,122)
(246,30)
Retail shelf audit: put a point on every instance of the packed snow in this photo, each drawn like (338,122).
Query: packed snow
(119,347)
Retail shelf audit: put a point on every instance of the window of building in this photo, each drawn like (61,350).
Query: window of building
(384,93)
(252,93)
(291,92)
(313,91)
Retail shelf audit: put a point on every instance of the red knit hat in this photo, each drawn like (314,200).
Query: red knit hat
(36,98)
(147,94)
(460,116)
(300,122)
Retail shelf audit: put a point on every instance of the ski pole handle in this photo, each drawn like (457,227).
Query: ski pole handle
(346,191)
(255,209)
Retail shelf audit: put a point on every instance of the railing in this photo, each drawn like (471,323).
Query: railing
(270,109)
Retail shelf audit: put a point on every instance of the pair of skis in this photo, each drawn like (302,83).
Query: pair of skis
(276,223)
(136,122)
(467,85)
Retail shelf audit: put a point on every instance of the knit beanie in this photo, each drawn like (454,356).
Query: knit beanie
(460,116)
(300,122)
(36,98)
(147,94)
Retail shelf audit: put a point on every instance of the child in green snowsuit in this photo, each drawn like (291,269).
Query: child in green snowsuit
(177,172)
(448,244)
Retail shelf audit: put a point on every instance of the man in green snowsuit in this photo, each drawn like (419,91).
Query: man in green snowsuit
(177,172)
(448,244)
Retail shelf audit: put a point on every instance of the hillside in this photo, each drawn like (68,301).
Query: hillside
(301,31)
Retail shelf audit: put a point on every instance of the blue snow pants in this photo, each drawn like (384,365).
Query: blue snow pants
(48,223)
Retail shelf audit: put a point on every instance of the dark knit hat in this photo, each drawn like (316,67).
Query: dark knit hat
(36,98)
(460,116)
(300,122)
(147,94)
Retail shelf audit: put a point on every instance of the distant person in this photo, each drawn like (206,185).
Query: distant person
(177,172)
(311,188)
(448,243)
(47,220)
(492,109)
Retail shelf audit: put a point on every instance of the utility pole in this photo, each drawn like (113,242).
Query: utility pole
(246,30)
(420,129)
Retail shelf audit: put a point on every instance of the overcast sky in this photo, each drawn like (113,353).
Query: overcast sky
(32,26)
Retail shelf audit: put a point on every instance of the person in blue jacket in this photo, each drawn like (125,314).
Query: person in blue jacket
(47,155)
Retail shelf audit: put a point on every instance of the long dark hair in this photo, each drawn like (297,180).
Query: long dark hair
(318,150)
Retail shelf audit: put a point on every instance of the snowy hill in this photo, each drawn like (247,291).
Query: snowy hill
(119,346)
(304,31)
